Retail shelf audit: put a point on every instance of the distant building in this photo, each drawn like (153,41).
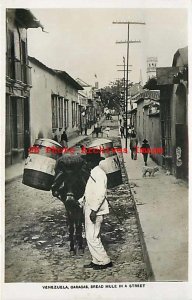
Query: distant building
(161,115)
(134,91)
(87,114)
(151,67)
(18,84)
(146,120)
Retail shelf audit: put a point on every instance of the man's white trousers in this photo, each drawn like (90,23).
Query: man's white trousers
(92,231)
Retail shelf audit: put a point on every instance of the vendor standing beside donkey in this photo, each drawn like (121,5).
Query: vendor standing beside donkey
(95,207)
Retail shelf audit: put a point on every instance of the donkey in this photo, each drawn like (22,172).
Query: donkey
(71,175)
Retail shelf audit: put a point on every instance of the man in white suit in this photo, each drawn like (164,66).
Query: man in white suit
(95,207)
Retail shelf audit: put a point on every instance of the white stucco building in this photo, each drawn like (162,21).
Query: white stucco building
(54,103)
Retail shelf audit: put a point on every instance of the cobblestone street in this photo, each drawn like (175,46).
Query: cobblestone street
(37,246)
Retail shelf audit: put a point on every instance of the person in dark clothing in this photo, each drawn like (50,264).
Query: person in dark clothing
(96,129)
(122,131)
(129,131)
(133,146)
(55,138)
(26,142)
(145,149)
(85,129)
(64,139)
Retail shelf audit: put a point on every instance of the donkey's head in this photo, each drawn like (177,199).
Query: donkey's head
(72,173)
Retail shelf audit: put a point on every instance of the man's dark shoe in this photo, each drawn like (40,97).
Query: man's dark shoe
(90,265)
(102,267)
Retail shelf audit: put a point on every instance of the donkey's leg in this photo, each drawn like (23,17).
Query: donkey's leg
(79,229)
(79,235)
(71,234)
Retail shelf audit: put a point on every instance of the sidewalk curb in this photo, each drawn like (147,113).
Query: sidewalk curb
(150,273)
(7,181)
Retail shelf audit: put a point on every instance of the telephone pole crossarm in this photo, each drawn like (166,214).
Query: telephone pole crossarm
(125,42)
(123,70)
(123,65)
(127,22)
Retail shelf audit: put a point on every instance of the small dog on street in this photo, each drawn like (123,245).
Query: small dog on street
(150,170)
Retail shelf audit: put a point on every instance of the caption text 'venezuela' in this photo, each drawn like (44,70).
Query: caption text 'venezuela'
(94,286)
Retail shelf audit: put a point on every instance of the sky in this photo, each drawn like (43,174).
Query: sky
(82,41)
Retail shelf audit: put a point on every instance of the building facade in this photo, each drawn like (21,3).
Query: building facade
(86,105)
(161,115)
(54,105)
(146,120)
(18,84)
(173,83)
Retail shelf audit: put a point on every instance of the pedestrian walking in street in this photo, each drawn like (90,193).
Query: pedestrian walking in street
(145,149)
(95,207)
(132,129)
(122,131)
(107,129)
(64,139)
(85,129)
(133,146)
(96,129)
(129,132)
(26,143)
(55,138)
(80,130)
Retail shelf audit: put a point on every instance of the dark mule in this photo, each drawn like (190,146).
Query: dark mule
(71,175)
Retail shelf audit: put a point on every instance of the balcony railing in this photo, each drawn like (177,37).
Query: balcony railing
(18,71)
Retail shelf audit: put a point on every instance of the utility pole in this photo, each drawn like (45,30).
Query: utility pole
(124,80)
(127,82)
(80,118)
(127,77)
